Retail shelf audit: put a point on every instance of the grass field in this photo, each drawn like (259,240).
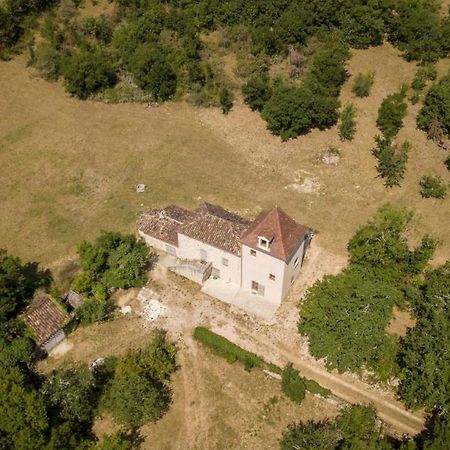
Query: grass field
(69,167)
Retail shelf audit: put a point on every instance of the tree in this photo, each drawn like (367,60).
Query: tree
(225,100)
(363,83)
(391,113)
(347,127)
(112,261)
(423,356)
(87,72)
(138,392)
(436,107)
(257,91)
(117,441)
(153,73)
(355,428)
(391,160)
(23,421)
(292,384)
(432,187)
(72,391)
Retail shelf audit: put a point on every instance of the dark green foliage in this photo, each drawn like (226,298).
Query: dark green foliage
(316,388)
(153,73)
(257,91)
(437,435)
(72,391)
(423,74)
(48,62)
(91,310)
(391,160)
(423,356)
(391,113)
(345,316)
(98,28)
(138,392)
(17,284)
(292,384)
(225,100)
(355,428)
(363,83)
(347,127)
(432,186)
(87,72)
(23,421)
(112,261)
(436,107)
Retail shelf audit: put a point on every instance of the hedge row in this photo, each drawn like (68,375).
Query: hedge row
(232,352)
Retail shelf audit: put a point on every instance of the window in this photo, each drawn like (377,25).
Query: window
(255,286)
(253,252)
(225,262)
(263,243)
(271,277)
(292,279)
(203,255)
(297,260)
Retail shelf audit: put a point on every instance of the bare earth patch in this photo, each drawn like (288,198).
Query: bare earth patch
(401,321)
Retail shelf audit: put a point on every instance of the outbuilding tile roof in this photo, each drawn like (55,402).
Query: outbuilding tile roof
(283,233)
(45,318)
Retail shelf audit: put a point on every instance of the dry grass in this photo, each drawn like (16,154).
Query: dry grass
(69,167)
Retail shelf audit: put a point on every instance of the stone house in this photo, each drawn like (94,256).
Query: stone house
(262,257)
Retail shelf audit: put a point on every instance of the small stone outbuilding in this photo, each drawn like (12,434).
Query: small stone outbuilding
(47,321)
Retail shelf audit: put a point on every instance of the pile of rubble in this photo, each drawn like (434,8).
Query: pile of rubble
(152,308)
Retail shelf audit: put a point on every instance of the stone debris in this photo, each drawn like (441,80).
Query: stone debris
(98,362)
(140,188)
(152,308)
(125,309)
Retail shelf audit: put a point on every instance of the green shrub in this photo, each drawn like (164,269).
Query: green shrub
(391,113)
(391,160)
(257,91)
(435,109)
(315,388)
(423,74)
(47,61)
(225,100)
(432,187)
(87,72)
(347,127)
(363,83)
(231,352)
(91,310)
(292,384)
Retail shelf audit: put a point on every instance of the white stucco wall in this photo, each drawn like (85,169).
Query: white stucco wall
(189,248)
(258,268)
(291,272)
(156,243)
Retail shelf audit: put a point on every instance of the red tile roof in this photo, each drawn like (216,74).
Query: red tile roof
(283,232)
(45,318)
(164,223)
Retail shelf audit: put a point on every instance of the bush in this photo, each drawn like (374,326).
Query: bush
(391,160)
(292,384)
(423,74)
(432,187)
(91,310)
(87,72)
(225,100)
(47,61)
(153,73)
(347,127)
(257,91)
(436,108)
(391,113)
(232,352)
(363,83)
